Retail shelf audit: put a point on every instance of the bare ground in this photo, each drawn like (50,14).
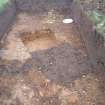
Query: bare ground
(49,70)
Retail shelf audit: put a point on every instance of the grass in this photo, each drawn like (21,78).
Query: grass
(3,3)
(98,18)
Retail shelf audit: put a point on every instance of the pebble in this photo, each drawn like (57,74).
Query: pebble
(47,80)
(84,76)
(84,91)
(96,79)
(39,68)
(51,63)
(41,94)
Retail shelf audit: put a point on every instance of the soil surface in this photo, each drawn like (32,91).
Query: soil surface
(44,62)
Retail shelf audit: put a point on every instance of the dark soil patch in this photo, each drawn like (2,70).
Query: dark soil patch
(61,64)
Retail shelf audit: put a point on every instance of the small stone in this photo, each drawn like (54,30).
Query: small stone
(41,94)
(51,63)
(37,99)
(22,80)
(96,79)
(25,94)
(84,91)
(2,41)
(47,80)
(39,68)
(84,76)
(39,71)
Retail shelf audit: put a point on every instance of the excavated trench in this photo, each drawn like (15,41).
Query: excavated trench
(44,61)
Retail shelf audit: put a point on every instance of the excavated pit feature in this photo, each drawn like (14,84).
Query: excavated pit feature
(39,40)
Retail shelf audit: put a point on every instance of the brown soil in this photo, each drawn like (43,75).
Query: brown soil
(45,62)
(42,39)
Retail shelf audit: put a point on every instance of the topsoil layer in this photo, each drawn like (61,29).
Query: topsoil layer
(50,70)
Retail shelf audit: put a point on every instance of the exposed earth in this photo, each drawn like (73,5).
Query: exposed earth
(45,62)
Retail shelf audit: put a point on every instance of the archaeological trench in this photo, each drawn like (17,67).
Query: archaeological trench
(44,61)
